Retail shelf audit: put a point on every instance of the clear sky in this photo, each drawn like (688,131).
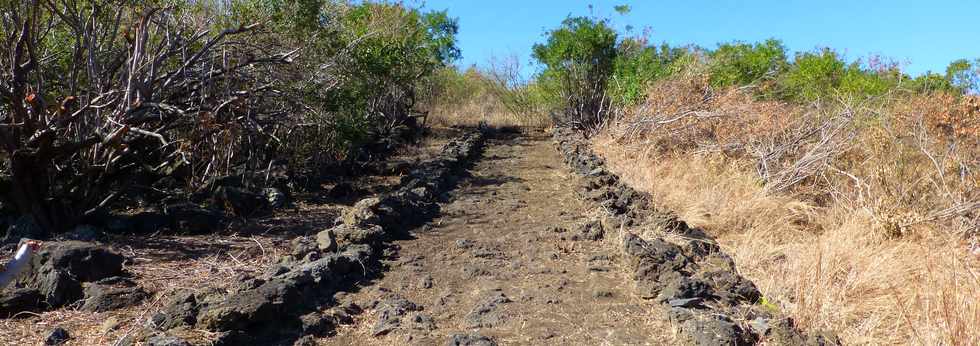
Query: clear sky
(922,35)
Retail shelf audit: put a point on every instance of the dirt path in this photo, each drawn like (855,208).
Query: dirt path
(507,260)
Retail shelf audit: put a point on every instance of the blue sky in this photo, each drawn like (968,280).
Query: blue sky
(921,35)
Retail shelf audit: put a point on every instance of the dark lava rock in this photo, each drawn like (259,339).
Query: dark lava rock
(364,212)
(57,336)
(301,246)
(390,313)
(181,310)
(591,230)
(316,324)
(287,293)
(102,298)
(655,263)
(60,268)
(86,262)
(191,218)
(423,322)
(240,202)
(684,288)
(58,287)
(358,234)
(264,304)
(470,340)
(163,339)
(716,332)
(14,301)
(486,314)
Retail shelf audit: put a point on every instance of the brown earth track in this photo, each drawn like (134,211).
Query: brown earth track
(505,259)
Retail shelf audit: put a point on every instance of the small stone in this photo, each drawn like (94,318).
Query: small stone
(760,326)
(426,282)
(163,339)
(464,244)
(470,340)
(326,241)
(275,197)
(685,303)
(57,336)
(602,294)
(109,325)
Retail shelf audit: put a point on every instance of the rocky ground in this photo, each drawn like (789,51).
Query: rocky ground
(514,257)
(490,239)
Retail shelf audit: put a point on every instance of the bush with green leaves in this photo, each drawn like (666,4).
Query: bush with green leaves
(361,71)
(964,75)
(637,64)
(740,63)
(579,58)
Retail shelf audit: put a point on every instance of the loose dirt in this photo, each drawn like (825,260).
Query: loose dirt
(507,259)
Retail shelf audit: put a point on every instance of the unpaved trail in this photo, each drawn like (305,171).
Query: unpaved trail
(505,259)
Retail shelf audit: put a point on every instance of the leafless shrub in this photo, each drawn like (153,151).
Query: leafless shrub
(102,97)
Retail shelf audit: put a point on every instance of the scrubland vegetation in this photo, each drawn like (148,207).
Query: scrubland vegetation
(847,190)
(107,103)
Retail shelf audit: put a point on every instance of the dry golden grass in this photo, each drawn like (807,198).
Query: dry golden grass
(481,106)
(486,110)
(868,246)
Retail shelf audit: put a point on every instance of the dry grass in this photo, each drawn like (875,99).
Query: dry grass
(486,109)
(161,266)
(868,243)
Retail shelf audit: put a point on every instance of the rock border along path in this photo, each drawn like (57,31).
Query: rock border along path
(681,267)
(287,303)
(514,258)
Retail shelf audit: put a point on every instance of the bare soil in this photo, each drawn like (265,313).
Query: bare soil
(506,260)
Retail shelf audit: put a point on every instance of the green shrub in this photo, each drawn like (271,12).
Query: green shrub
(578,59)
(743,63)
(636,66)
(812,75)
(931,82)
(964,75)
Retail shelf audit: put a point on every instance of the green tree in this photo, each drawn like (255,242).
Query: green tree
(578,59)
(813,75)
(964,75)
(743,63)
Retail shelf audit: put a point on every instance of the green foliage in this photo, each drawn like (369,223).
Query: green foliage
(363,66)
(742,63)
(964,75)
(579,57)
(812,75)
(579,44)
(931,82)
(637,65)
